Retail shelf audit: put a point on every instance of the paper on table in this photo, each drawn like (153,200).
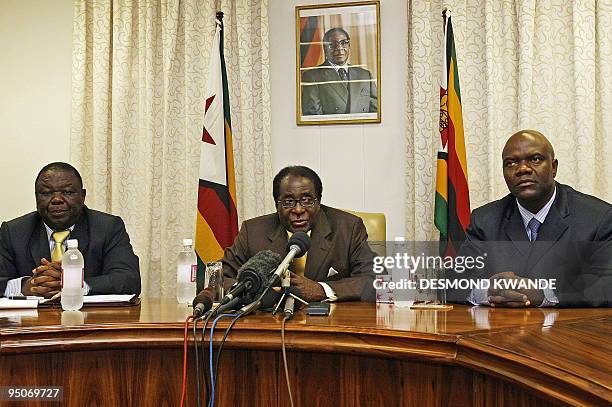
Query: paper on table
(6,303)
(97,299)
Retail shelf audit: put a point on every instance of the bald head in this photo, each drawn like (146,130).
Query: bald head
(532,136)
(530,168)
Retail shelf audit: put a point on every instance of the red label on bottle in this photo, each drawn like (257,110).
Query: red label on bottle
(194,272)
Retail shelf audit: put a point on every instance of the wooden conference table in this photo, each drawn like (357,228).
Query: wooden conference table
(361,355)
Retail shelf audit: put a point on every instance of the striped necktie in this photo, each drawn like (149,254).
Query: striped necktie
(534,227)
(58,249)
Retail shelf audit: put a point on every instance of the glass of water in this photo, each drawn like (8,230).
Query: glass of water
(214,279)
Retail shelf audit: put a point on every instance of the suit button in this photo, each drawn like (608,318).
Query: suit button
(337,108)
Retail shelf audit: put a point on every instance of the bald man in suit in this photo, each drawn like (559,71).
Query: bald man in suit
(541,230)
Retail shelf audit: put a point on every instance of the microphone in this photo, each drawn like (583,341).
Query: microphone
(288,310)
(297,246)
(203,302)
(289,306)
(233,304)
(252,275)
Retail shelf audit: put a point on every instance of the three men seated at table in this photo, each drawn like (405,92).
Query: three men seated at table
(32,245)
(541,230)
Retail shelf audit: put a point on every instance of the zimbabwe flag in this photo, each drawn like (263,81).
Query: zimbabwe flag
(311,45)
(217,219)
(452,207)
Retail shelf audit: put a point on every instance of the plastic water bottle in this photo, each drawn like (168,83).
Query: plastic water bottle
(72,277)
(186,269)
(402,297)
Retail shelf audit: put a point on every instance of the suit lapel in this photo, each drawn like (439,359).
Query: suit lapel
(39,244)
(320,243)
(331,76)
(278,240)
(81,232)
(551,230)
(515,230)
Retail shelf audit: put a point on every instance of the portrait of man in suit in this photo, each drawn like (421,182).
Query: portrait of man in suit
(337,86)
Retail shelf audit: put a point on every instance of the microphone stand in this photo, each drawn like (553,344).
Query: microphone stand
(286,284)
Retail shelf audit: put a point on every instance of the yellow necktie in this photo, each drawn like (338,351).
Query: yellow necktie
(58,250)
(298,266)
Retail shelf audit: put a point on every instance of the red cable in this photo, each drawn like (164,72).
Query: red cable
(184,391)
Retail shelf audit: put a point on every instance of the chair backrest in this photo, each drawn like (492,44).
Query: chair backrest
(376,226)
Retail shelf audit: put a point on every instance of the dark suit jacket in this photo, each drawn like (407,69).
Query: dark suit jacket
(111,267)
(574,245)
(338,240)
(333,97)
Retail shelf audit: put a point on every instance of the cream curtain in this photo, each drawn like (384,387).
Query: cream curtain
(139,72)
(545,65)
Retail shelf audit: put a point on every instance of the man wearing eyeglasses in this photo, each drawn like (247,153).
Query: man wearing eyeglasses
(32,245)
(338,265)
(336,87)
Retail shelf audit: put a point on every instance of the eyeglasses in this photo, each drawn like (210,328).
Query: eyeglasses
(305,201)
(338,44)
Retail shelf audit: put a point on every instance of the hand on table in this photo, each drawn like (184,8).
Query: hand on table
(518,298)
(46,280)
(310,290)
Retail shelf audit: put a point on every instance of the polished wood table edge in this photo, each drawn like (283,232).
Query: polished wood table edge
(464,348)
(260,336)
(554,382)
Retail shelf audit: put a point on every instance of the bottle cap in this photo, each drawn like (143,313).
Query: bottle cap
(72,243)
(187,242)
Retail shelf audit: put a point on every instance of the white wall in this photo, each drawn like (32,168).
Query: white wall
(361,166)
(36,53)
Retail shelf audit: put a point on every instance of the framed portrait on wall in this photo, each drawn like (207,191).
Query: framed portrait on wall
(338,63)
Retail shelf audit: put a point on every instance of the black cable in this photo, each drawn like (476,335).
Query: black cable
(204,355)
(227,331)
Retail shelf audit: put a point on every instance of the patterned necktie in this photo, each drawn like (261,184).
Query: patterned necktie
(58,249)
(343,75)
(534,226)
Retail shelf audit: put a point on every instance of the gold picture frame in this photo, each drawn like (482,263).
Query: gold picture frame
(338,63)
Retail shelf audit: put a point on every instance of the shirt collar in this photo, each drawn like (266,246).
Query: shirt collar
(542,213)
(289,234)
(336,67)
(50,231)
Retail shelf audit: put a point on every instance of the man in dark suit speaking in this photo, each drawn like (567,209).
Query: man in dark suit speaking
(31,246)
(338,265)
(336,87)
(541,230)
